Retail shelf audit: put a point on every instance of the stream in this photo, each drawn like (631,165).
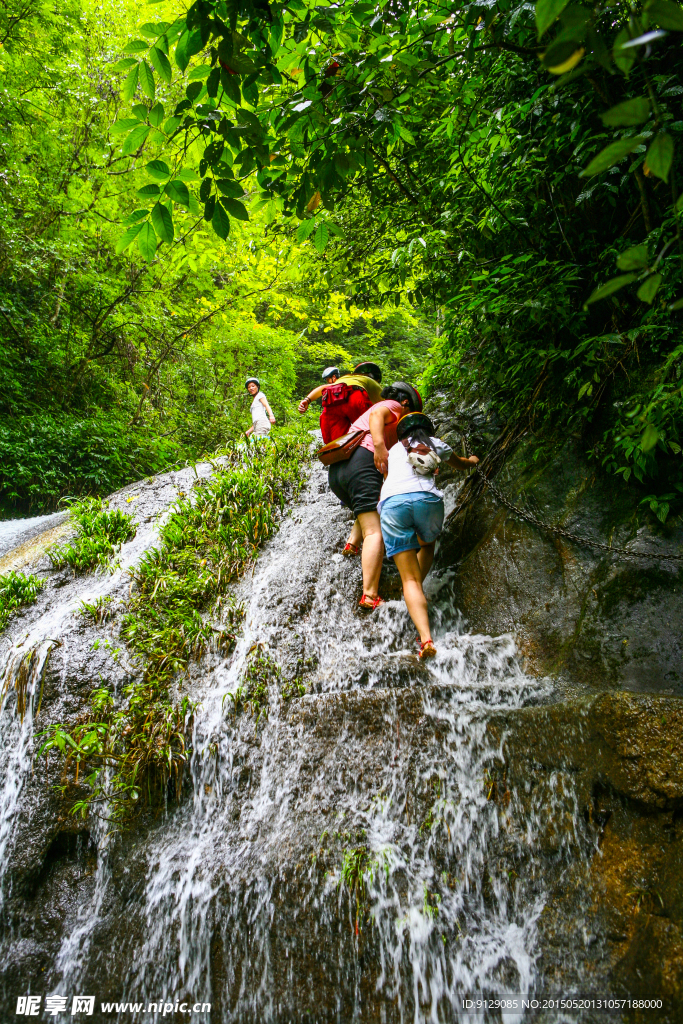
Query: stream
(356,855)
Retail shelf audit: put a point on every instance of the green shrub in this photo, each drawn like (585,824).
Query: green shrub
(100,535)
(16,590)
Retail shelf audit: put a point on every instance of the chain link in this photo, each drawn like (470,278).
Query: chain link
(529,517)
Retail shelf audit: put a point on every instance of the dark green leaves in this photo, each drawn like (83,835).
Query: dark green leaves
(136,46)
(649,288)
(660,156)
(633,259)
(158,169)
(666,14)
(220,222)
(149,190)
(235,208)
(611,155)
(163,222)
(610,287)
(188,44)
(547,11)
(178,192)
(629,113)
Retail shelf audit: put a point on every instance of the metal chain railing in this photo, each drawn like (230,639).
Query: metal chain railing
(529,517)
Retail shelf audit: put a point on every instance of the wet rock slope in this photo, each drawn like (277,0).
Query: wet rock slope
(399,837)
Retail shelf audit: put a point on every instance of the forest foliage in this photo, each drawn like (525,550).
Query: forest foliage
(236,172)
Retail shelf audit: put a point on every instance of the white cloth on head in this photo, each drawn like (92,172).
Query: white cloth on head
(259,416)
(402,478)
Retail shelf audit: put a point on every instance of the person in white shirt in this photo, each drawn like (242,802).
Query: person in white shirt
(411,511)
(261,413)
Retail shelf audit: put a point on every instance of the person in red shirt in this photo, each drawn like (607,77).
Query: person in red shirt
(357,482)
(344,398)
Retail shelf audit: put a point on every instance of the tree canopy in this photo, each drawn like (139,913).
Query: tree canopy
(507,173)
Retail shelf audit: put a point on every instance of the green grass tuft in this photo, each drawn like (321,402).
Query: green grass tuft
(100,535)
(16,590)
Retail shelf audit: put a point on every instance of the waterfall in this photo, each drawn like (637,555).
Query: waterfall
(354,855)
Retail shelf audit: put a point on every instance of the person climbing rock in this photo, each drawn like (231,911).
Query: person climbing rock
(261,413)
(344,398)
(411,511)
(357,482)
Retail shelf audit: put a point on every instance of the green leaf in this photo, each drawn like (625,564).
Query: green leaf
(123,65)
(662,511)
(649,438)
(209,207)
(121,127)
(660,156)
(163,222)
(666,14)
(131,83)
(135,139)
(186,174)
(547,11)
(321,237)
(631,112)
(188,44)
(136,46)
(134,217)
(147,242)
(305,229)
(231,188)
(633,259)
(158,169)
(235,208)
(161,64)
(172,124)
(649,288)
(146,79)
(622,58)
(205,189)
(149,190)
(201,71)
(178,192)
(127,237)
(610,287)
(611,155)
(220,221)
(156,114)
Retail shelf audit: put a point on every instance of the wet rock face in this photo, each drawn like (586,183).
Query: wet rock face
(578,612)
(403,833)
(624,755)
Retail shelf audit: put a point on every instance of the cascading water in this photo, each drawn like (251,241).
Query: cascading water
(356,854)
(341,859)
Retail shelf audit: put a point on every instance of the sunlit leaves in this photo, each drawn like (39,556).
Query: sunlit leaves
(306,228)
(158,169)
(660,156)
(156,115)
(131,83)
(127,237)
(123,126)
(136,46)
(161,64)
(321,236)
(136,138)
(149,190)
(146,79)
(147,242)
(611,155)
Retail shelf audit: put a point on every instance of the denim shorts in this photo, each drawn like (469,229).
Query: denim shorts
(405,516)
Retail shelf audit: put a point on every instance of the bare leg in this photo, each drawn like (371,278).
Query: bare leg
(411,577)
(425,557)
(356,535)
(373,551)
